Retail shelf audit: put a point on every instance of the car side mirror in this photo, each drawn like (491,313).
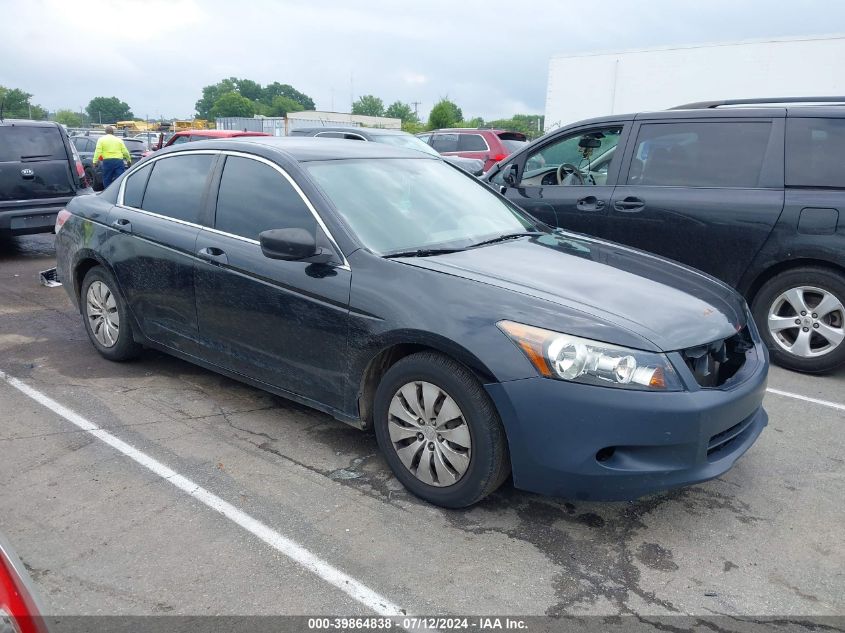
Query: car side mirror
(293,245)
(511,175)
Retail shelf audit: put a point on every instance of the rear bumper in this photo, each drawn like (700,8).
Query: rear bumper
(595,443)
(31,216)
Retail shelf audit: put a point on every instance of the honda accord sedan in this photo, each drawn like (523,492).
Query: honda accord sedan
(399,294)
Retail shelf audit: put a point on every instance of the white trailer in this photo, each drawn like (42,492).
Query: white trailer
(590,85)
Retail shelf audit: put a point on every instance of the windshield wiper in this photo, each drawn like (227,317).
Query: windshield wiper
(422,252)
(508,236)
(35,157)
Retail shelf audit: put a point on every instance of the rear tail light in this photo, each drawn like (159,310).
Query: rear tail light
(61,218)
(498,157)
(17,605)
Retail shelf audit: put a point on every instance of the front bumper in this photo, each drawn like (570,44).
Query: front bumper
(602,443)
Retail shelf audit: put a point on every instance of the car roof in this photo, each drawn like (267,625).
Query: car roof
(472,130)
(28,123)
(306,148)
(363,131)
(219,133)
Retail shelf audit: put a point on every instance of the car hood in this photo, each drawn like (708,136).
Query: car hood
(668,304)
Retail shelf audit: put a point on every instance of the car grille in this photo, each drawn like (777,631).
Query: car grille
(716,363)
(720,443)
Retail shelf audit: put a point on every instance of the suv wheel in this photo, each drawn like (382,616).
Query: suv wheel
(439,431)
(106,318)
(801,315)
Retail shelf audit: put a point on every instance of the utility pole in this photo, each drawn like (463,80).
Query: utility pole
(416,105)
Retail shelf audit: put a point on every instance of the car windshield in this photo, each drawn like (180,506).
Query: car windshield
(405,140)
(405,204)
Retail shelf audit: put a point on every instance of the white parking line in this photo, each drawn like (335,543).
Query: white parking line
(355,589)
(798,396)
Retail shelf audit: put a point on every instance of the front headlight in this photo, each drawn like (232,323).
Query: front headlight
(576,359)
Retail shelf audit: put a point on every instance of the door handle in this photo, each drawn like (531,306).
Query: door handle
(122,224)
(629,205)
(213,254)
(590,203)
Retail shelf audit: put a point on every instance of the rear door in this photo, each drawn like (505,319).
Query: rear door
(706,192)
(34,164)
(152,250)
(283,323)
(564,183)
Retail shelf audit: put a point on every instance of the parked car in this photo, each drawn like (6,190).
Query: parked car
(40,171)
(397,138)
(186,136)
(86,145)
(151,139)
(707,185)
(20,610)
(394,292)
(489,146)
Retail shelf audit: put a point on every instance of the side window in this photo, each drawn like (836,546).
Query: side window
(425,138)
(471,143)
(181,139)
(133,190)
(199,138)
(329,134)
(582,158)
(177,185)
(815,152)
(445,142)
(254,197)
(700,154)
(81,144)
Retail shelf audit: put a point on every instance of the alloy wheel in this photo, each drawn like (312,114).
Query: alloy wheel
(103,317)
(807,321)
(429,433)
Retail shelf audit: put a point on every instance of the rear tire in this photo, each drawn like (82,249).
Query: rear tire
(801,317)
(106,318)
(439,431)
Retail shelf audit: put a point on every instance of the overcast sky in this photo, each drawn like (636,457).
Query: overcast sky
(490,57)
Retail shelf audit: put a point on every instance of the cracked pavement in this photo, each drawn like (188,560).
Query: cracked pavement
(101,535)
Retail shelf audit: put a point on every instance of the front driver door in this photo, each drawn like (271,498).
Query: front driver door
(283,323)
(568,181)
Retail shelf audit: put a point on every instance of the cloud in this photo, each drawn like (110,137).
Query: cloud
(490,56)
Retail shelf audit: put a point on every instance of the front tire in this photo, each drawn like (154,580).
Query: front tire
(439,431)
(801,317)
(106,317)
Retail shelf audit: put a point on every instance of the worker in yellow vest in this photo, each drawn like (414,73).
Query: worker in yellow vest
(112,151)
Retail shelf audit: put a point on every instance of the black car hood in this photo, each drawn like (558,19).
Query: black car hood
(668,304)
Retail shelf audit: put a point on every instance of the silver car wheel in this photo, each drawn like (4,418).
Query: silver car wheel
(807,321)
(429,433)
(103,317)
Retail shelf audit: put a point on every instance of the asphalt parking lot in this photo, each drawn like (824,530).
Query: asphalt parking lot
(102,534)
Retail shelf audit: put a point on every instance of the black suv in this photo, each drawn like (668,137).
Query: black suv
(40,171)
(749,191)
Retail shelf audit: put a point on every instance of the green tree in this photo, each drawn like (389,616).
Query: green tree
(275,89)
(445,113)
(368,105)
(474,122)
(250,89)
(529,124)
(17,104)
(399,110)
(69,118)
(210,95)
(281,106)
(108,110)
(232,104)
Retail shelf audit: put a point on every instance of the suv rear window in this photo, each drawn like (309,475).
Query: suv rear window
(22,143)
(445,142)
(700,154)
(815,152)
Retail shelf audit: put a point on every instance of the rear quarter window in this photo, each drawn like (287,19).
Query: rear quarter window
(471,143)
(21,143)
(815,152)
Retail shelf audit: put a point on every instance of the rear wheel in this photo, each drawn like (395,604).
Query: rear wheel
(801,315)
(106,318)
(439,431)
